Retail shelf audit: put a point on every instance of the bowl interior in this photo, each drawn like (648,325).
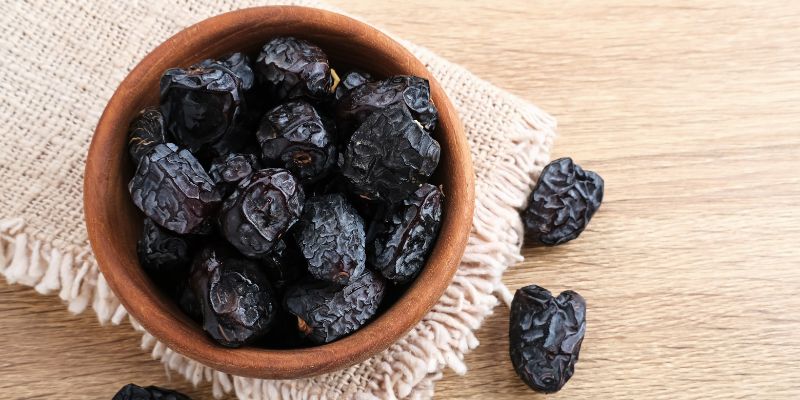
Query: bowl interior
(114,223)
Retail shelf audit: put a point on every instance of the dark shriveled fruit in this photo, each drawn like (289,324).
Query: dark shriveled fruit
(162,252)
(389,156)
(331,237)
(200,105)
(145,132)
(292,68)
(293,136)
(351,80)
(237,63)
(545,336)
(227,172)
(171,187)
(251,106)
(405,240)
(562,203)
(236,300)
(409,92)
(261,210)
(135,392)
(326,312)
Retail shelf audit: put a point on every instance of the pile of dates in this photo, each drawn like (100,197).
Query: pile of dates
(283,203)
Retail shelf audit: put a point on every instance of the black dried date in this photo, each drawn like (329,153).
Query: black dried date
(200,105)
(235,297)
(326,311)
(292,68)
(161,252)
(409,92)
(405,240)
(351,80)
(171,187)
(227,172)
(331,237)
(562,203)
(389,156)
(145,132)
(545,336)
(293,136)
(238,64)
(136,392)
(261,210)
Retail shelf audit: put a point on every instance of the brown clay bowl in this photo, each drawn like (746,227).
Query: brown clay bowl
(114,223)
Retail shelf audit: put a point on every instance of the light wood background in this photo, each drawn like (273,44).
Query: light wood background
(691,269)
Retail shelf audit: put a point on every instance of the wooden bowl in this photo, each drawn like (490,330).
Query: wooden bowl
(114,223)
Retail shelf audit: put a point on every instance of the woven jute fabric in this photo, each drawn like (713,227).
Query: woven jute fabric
(59,64)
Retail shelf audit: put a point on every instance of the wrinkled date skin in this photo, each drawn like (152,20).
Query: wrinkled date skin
(331,237)
(171,187)
(562,203)
(545,336)
(326,312)
(293,136)
(135,392)
(200,105)
(293,68)
(349,81)
(400,251)
(145,132)
(227,172)
(409,92)
(236,300)
(261,210)
(250,108)
(237,63)
(389,156)
(161,252)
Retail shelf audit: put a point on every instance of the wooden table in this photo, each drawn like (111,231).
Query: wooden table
(691,269)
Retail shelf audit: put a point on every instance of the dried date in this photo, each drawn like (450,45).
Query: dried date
(261,210)
(235,297)
(351,80)
(562,203)
(291,68)
(200,105)
(408,92)
(293,136)
(331,237)
(545,336)
(145,132)
(237,63)
(227,172)
(161,252)
(171,187)
(405,240)
(326,311)
(136,392)
(389,156)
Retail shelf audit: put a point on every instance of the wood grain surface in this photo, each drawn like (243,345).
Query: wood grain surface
(691,269)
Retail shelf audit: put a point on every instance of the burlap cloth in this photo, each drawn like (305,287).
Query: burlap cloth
(59,64)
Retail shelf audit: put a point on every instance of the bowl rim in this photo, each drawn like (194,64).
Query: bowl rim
(374,337)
